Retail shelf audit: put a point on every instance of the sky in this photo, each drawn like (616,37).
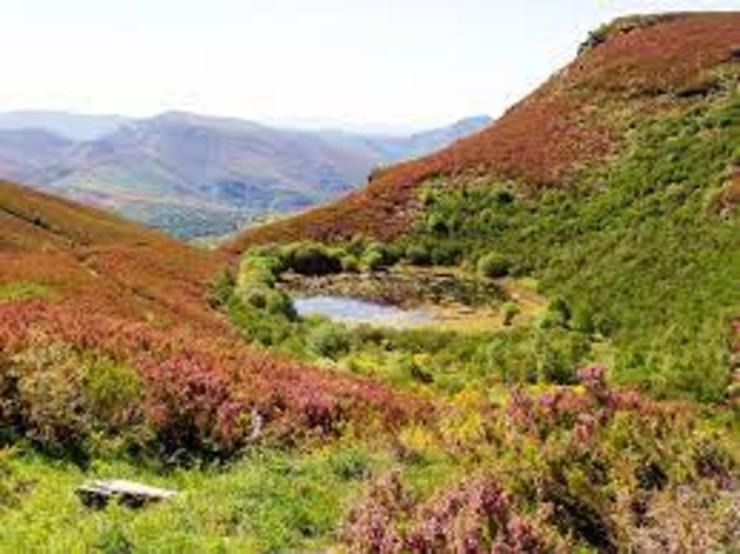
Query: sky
(395,63)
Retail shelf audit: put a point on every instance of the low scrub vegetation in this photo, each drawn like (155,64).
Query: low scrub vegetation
(544,350)
(285,433)
(494,265)
(72,382)
(635,254)
(585,469)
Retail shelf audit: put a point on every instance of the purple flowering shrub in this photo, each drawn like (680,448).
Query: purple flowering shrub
(475,516)
(590,466)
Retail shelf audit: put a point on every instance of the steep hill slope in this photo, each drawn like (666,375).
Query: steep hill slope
(80,288)
(194,175)
(85,255)
(615,186)
(636,68)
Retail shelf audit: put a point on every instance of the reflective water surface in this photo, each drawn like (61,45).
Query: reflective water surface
(354,311)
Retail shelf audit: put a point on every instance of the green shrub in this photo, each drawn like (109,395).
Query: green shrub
(315,259)
(357,245)
(286,252)
(494,265)
(582,320)
(373,261)
(49,399)
(329,340)
(280,303)
(257,269)
(350,263)
(504,197)
(558,313)
(508,312)
(269,300)
(418,254)
(111,391)
(511,356)
(559,353)
(260,325)
(256,297)
(446,254)
(61,399)
(427,197)
(221,289)
(437,224)
(379,256)
(258,275)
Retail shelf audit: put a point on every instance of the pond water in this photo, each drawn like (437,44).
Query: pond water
(354,311)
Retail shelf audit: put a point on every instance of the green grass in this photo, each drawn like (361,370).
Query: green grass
(10,292)
(269,501)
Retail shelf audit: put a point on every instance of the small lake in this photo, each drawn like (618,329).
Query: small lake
(354,311)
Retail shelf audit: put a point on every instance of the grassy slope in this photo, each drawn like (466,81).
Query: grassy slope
(620,167)
(266,503)
(644,251)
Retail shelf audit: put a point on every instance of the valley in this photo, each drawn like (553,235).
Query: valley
(525,341)
(196,176)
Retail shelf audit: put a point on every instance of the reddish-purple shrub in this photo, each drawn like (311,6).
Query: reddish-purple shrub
(472,517)
(373,525)
(200,388)
(593,377)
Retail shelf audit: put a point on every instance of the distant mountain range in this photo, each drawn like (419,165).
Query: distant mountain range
(193,175)
(73,126)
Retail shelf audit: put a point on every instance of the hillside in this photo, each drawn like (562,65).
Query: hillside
(525,343)
(99,290)
(87,256)
(614,185)
(193,175)
(638,68)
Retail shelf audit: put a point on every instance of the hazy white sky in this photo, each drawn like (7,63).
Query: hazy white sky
(397,62)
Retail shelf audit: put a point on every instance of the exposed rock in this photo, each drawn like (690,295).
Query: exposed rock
(97,494)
